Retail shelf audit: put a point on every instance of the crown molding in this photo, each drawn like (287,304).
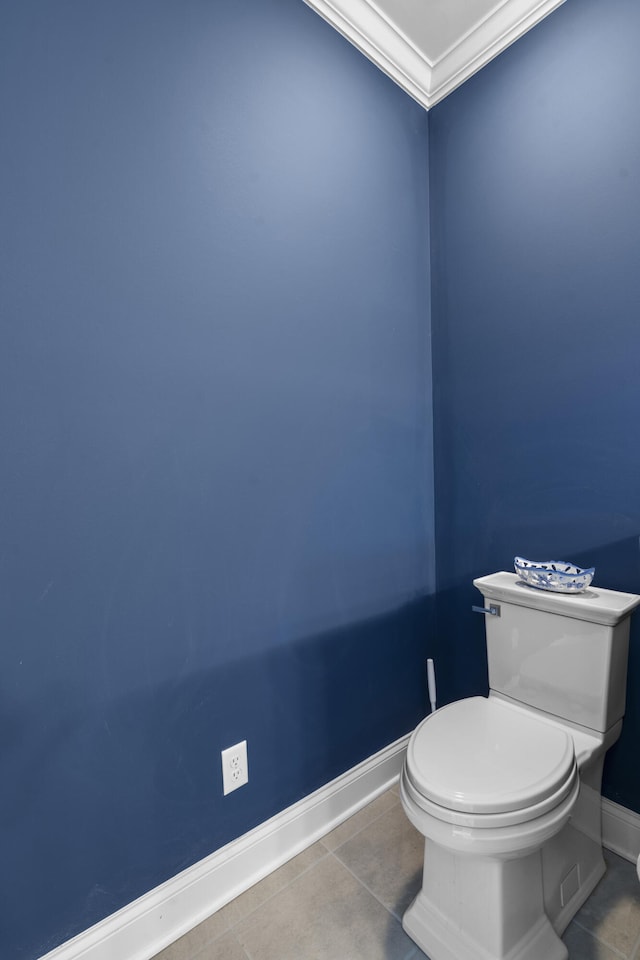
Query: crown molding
(506,24)
(369,29)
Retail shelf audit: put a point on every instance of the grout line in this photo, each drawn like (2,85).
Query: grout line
(635,950)
(204,954)
(242,947)
(598,939)
(364,826)
(367,888)
(234,926)
(395,916)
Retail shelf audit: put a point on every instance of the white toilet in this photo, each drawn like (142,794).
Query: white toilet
(506,789)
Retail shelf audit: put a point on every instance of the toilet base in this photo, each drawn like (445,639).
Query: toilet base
(472,908)
(439,941)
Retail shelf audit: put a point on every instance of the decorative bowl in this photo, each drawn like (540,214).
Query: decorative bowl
(556,575)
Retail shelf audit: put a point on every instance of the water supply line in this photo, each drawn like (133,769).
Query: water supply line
(431,684)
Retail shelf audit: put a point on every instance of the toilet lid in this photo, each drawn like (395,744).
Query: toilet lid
(484,756)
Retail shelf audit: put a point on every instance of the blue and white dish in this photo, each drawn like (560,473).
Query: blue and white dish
(556,575)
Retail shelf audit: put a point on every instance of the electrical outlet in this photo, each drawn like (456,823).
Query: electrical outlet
(235,771)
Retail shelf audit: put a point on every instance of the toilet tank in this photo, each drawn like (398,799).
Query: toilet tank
(562,653)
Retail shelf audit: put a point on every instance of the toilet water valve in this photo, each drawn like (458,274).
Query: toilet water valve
(493,609)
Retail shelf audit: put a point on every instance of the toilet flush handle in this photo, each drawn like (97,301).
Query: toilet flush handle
(493,609)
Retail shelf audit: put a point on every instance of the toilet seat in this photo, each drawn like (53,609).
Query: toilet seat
(486,763)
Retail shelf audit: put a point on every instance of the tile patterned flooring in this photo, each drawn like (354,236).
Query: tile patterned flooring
(343,898)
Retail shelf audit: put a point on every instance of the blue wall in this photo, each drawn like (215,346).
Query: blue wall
(535,200)
(216,518)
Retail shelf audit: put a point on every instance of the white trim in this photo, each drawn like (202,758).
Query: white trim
(144,927)
(378,39)
(428,81)
(489,38)
(620,830)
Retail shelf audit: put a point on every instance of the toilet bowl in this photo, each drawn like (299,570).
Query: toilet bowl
(491,775)
(506,789)
(487,784)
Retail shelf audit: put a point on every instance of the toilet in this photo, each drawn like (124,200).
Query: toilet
(506,788)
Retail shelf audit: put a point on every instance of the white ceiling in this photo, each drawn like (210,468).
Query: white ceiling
(430,47)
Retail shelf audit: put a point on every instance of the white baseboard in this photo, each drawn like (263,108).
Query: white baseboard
(620,830)
(144,927)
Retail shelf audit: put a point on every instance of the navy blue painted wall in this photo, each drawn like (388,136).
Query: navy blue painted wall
(535,200)
(216,510)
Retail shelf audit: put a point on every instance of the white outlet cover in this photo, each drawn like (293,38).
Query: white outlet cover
(235,769)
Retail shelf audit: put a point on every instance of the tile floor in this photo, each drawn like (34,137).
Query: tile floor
(343,897)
